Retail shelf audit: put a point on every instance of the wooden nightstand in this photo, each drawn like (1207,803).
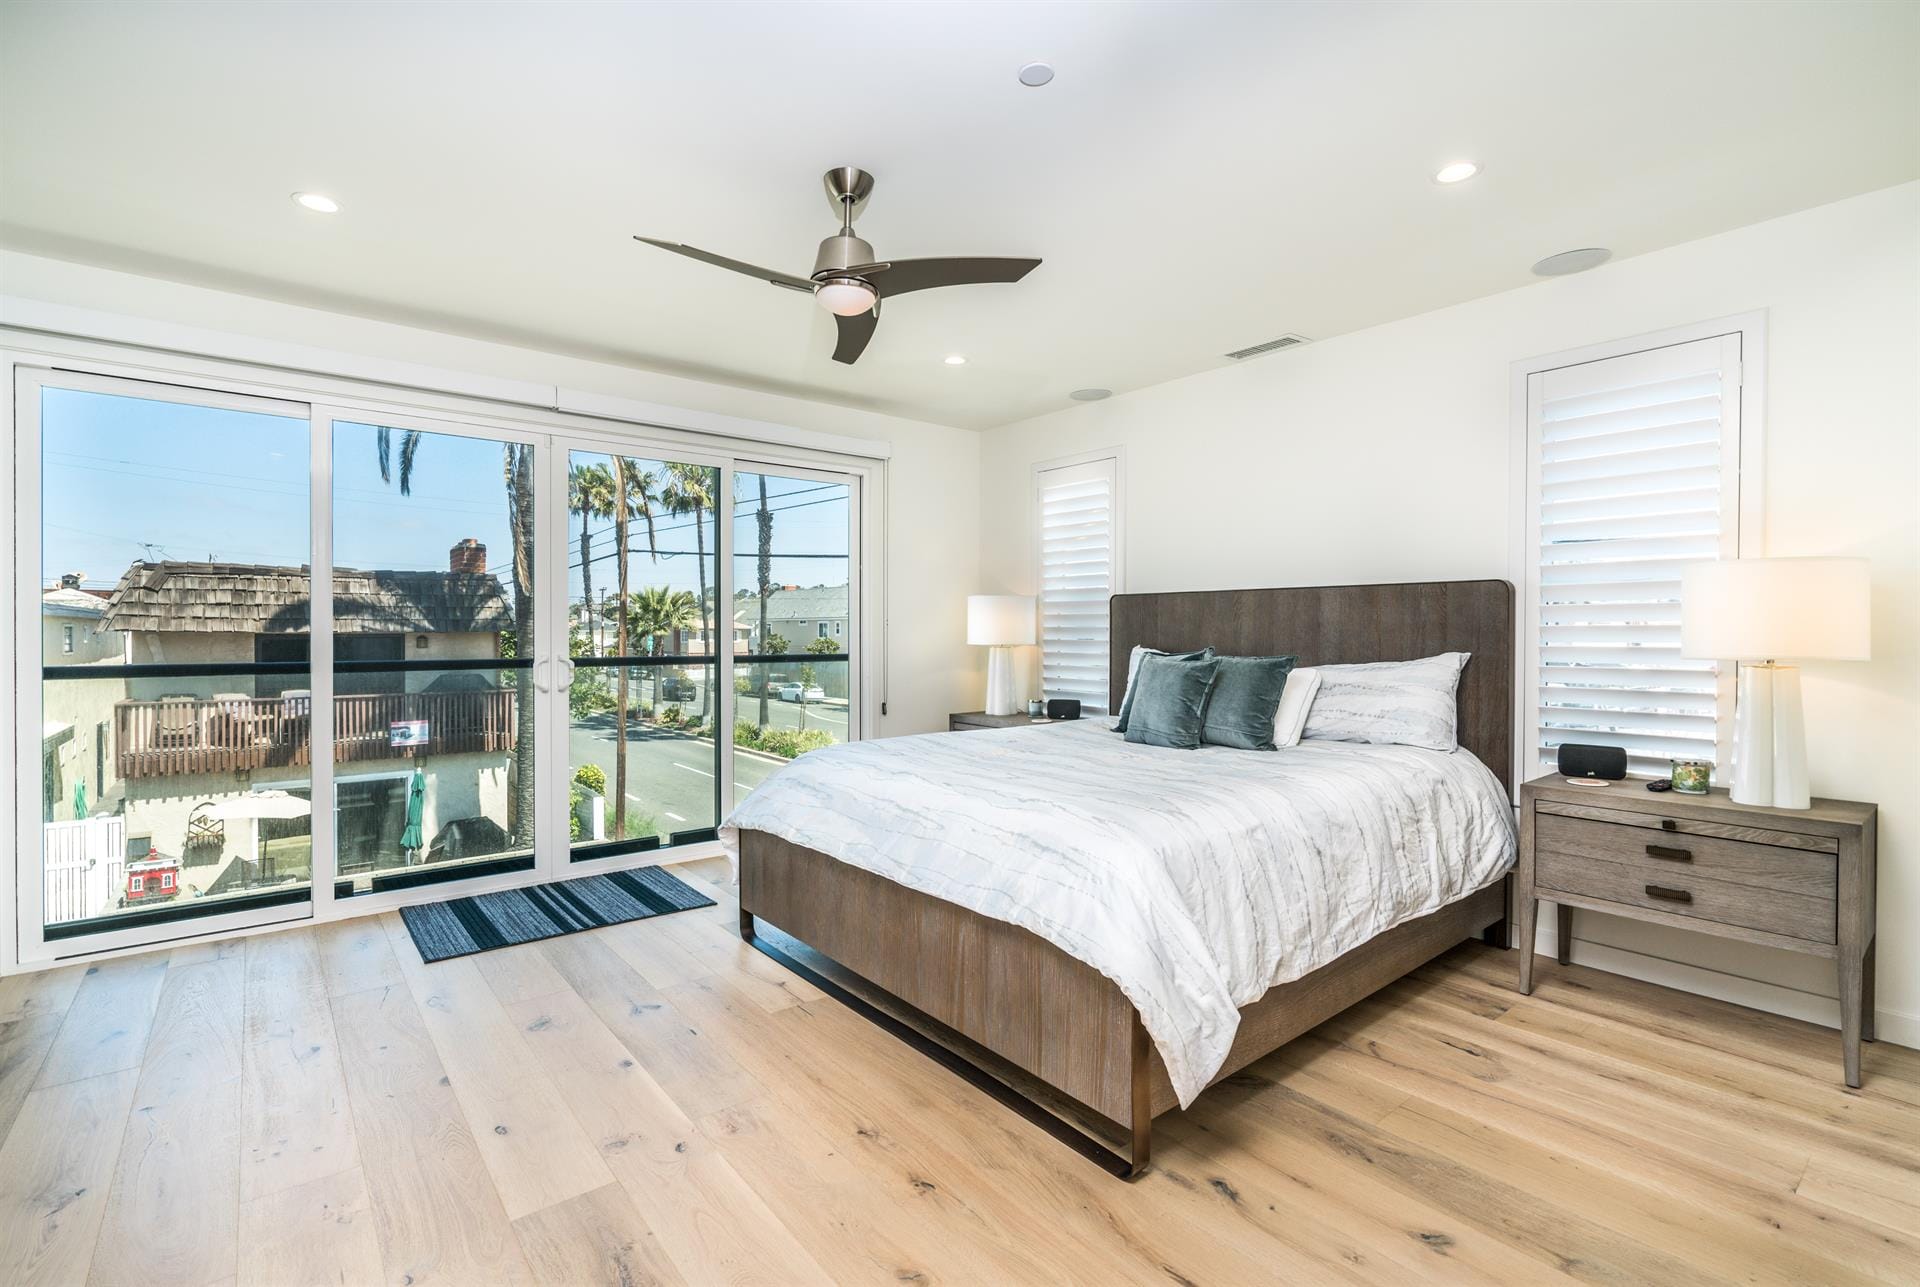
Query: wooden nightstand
(1801,879)
(967,721)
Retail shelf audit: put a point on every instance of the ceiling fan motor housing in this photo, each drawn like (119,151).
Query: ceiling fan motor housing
(841,252)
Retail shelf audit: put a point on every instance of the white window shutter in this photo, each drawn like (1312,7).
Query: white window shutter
(1077,510)
(1634,471)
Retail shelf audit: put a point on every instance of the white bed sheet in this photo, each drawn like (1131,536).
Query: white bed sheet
(1195,880)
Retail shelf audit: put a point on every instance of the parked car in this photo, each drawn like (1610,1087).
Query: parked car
(796,693)
(678,688)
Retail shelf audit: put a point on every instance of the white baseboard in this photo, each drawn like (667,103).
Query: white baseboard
(1889,1025)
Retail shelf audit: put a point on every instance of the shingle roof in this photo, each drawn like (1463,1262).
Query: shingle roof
(815,603)
(238,598)
(62,602)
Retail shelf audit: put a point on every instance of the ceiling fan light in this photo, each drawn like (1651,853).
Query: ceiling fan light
(845,296)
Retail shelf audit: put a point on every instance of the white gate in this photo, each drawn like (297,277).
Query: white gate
(86,867)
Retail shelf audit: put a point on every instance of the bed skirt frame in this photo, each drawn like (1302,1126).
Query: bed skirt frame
(1056,1019)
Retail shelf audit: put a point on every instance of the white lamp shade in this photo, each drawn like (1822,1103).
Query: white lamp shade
(1776,609)
(1000,620)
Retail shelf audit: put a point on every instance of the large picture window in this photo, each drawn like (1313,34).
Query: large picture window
(1634,469)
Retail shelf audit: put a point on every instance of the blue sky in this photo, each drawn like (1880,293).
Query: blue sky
(128,478)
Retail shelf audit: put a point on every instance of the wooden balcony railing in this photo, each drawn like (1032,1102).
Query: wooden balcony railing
(238,734)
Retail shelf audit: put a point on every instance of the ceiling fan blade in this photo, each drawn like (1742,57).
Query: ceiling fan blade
(855,331)
(899,276)
(773,276)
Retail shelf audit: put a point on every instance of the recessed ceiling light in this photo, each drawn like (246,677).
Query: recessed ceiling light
(1572,261)
(956,359)
(1456,172)
(1034,75)
(1090,395)
(317,201)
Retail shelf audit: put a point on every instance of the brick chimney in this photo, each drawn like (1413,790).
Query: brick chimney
(468,556)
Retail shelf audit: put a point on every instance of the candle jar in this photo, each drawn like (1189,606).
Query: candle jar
(1036,708)
(1692,777)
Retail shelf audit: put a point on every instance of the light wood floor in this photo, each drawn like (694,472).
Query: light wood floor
(655,1103)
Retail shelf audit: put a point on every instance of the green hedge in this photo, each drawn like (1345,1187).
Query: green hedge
(787,743)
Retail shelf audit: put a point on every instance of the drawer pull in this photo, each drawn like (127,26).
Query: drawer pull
(1668,824)
(1670,895)
(1671,855)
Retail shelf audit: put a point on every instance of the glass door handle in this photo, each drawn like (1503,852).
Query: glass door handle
(566,676)
(538,682)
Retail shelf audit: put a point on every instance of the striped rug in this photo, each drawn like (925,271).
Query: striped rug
(463,926)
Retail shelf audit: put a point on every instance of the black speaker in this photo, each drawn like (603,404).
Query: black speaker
(1578,761)
(1063,708)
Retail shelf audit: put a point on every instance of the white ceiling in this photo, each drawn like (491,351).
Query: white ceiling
(1199,177)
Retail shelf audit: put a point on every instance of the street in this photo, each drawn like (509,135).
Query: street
(671,775)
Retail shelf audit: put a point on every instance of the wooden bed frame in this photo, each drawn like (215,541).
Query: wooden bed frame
(1060,1020)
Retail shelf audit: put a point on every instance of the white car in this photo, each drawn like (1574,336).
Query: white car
(796,693)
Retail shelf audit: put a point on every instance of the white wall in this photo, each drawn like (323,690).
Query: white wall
(931,560)
(1384,455)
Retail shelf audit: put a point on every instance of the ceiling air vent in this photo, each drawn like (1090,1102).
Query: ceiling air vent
(1271,346)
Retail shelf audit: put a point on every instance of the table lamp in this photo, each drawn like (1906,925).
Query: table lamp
(1000,622)
(1755,612)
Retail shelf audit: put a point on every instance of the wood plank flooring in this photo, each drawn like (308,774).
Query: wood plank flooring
(656,1103)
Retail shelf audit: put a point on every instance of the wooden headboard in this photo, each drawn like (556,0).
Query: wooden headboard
(1325,624)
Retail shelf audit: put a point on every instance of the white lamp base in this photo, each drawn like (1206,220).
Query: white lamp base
(1770,738)
(1000,680)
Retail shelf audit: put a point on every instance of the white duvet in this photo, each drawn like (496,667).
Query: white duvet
(1195,880)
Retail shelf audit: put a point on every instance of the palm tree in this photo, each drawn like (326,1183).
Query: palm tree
(517,471)
(689,490)
(764,520)
(657,613)
(590,495)
(633,497)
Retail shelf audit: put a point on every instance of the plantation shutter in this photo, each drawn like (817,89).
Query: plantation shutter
(1076,505)
(1634,465)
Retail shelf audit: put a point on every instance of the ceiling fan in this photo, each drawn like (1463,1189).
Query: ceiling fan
(848,281)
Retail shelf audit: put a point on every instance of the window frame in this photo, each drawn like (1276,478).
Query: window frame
(1118,573)
(1523,507)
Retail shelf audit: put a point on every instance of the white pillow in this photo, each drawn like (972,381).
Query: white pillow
(1295,700)
(1386,703)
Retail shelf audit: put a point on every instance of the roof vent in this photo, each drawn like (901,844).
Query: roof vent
(1271,346)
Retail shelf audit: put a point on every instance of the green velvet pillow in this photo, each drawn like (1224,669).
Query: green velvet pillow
(1139,655)
(1169,705)
(1245,698)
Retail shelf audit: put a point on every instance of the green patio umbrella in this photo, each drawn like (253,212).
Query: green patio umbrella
(410,839)
(80,799)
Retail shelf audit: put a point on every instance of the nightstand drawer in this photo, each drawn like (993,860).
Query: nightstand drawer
(1729,889)
(1664,856)
(1686,826)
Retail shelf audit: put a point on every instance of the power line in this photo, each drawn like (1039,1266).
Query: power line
(601,558)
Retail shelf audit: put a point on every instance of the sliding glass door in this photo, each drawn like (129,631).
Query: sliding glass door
(533,652)
(436,628)
(796,597)
(648,629)
(166,554)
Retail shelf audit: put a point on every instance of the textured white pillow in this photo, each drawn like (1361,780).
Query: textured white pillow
(1404,703)
(1295,700)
